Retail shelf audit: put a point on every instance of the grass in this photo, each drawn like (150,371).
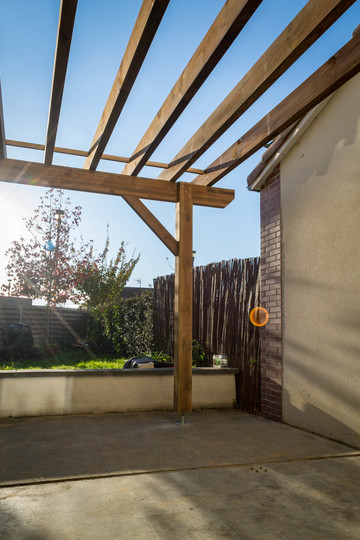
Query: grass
(65,360)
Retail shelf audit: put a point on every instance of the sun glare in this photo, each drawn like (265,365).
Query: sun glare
(14,205)
(259,316)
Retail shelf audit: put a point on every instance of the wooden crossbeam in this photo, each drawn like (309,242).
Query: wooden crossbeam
(146,25)
(138,206)
(63,43)
(84,153)
(2,129)
(227,25)
(37,174)
(311,22)
(334,73)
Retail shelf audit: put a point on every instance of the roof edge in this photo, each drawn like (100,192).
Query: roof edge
(262,171)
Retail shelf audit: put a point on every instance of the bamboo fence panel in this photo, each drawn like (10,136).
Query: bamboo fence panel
(224,295)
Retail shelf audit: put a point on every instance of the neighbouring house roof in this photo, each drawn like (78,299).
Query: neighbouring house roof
(130,292)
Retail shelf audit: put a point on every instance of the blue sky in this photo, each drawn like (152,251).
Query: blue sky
(102,29)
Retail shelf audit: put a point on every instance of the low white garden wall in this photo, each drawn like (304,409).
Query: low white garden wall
(53,392)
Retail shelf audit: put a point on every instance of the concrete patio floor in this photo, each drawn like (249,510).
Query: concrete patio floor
(224,474)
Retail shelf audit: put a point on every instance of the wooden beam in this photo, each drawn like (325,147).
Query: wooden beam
(84,153)
(226,27)
(312,21)
(63,43)
(146,25)
(213,197)
(37,174)
(55,176)
(2,129)
(183,304)
(154,224)
(334,73)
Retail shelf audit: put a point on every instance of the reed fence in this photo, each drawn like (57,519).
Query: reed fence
(224,294)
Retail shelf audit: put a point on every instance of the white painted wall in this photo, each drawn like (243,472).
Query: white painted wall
(54,394)
(320,205)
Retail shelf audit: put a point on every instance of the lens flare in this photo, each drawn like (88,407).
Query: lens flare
(259,316)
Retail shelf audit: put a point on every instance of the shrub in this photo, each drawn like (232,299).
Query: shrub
(126,328)
(198,354)
(138,323)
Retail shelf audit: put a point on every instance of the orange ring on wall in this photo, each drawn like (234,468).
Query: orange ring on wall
(259,316)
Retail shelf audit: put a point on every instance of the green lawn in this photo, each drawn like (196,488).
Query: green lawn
(65,360)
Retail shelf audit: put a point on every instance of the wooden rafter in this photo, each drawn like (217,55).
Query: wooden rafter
(227,25)
(146,25)
(334,73)
(222,33)
(145,28)
(311,22)
(83,153)
(2,129)
(63,43)
(37,174)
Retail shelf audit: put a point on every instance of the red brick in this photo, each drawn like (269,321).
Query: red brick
(271,409)
(272,258)
(271,341)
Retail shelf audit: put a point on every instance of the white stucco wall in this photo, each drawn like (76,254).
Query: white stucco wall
(320,205)
(74,392)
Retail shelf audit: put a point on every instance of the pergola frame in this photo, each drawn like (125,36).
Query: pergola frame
(311,22)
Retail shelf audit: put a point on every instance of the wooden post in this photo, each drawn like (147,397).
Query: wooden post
(183,302)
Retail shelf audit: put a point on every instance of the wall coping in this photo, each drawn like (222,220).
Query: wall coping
(23,373)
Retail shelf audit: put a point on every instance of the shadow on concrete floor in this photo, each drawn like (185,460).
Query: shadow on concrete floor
(225,474)
(62,447)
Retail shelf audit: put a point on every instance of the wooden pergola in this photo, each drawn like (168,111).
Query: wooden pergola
(310,23)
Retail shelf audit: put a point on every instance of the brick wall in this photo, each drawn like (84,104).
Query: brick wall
(271,336)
